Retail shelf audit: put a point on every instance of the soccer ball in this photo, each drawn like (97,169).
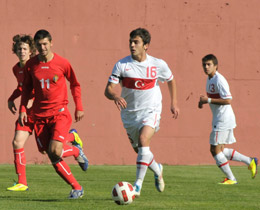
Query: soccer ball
(123,193)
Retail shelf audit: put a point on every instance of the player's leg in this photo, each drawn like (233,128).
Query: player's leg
(77,152)
(61,167)
(222,162)
(21,136)
(19,156)
(145,159)
(20,160)
(69,151)
(217,141)
(232,154)
(61,124)
(54,150)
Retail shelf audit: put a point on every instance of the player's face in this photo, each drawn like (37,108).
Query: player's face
(137,47)
(44,46)
(209,68)
(23,52)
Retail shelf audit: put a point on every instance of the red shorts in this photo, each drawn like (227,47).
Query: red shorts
(28,126)
(52,128)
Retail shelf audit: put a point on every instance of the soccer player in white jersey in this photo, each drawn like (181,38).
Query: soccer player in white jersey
(140,102)
(219,99)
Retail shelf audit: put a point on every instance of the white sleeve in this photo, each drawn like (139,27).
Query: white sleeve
(224,90)
(116,74)
(165,74)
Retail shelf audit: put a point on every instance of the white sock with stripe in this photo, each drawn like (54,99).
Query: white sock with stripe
(144,159)
(223,164)
(232,154)
(154,167)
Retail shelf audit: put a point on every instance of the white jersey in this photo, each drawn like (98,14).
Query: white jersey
(140,81)
(223,115)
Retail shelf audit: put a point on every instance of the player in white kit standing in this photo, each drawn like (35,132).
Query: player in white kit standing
(219,99)
(140,102)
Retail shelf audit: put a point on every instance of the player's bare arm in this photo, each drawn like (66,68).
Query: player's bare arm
(79,115)
(22,118)
(12,107)
(218,101)
(173,94)
(111,94)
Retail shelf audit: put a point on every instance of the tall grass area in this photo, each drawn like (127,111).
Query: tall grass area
(187,187)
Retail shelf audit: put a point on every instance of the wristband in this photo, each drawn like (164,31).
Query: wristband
(209,100)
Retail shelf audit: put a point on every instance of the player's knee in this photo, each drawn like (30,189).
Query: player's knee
(143,140)
(54,153)
(17,144)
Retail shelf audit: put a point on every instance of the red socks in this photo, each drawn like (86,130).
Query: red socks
(65,173)
(70,151)
(20,165)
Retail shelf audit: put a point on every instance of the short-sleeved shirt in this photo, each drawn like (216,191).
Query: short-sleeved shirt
(140,81)
(223,115)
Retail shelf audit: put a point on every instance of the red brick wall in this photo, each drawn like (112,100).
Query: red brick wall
(93,36)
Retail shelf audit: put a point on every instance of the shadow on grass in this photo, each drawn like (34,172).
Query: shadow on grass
(10,198)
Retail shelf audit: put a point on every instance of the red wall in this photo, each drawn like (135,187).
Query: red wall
(93,36)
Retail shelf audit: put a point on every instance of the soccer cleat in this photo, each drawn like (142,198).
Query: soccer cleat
(159,182)
(18,188)
(228,181)
(82,159)
(77,140)
(75,194)
(253,167)
(137,190)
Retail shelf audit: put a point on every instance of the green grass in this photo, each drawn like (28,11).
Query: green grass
(187,187)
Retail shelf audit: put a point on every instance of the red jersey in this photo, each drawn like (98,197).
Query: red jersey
(48,81)
(19,74)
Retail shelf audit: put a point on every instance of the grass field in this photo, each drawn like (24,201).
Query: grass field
(187,187)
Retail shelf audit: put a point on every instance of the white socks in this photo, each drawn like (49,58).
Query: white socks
(231,154)
(223,164)
(144,160)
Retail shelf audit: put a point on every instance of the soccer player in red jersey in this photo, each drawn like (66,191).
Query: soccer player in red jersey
(23,47)
(46,73)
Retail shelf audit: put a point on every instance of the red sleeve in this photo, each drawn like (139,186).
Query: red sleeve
(17,92)
(27,89)
(74,87)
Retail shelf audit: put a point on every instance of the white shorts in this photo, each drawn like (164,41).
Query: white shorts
(134,121)
(222,137)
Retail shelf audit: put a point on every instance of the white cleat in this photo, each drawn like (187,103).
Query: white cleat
(159,182)
(137,190)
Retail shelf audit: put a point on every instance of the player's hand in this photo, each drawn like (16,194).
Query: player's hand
(120,103)
(12,107)
(200,105)
(22,118)
(79,115)
(29,104)
(175,111)
(203,100)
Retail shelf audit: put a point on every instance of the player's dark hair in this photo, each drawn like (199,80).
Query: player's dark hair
(210,57)
(23,38)
(42,34)
(143,33)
